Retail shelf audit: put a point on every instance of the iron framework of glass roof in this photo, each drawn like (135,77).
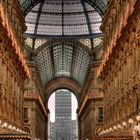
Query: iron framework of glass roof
(63,18)
(99,5)
(63,60)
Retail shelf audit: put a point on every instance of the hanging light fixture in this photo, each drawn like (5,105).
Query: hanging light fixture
(4,125)
(130,121)
(115,127)
(14,128)
(119,126)
(10,127)
(124,124)
(138,118)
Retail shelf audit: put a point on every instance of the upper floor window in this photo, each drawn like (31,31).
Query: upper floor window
(100,115)
(26,115)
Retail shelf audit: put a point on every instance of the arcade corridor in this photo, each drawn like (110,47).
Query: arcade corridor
(88,47)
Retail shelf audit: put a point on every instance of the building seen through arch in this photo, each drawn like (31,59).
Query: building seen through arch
(89,47)
(65,124)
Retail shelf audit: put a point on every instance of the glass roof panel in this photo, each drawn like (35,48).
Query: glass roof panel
(73,7)
(31,28)
(72,19)
(63,60)
(31,17)
(94,17)
(95,29)
(50,19)
(27,5)
(62,18)
(49,30)
(49,7)
(99,5)
(76,30)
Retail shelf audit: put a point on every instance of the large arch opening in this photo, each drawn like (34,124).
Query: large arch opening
(62,123)
(62,83)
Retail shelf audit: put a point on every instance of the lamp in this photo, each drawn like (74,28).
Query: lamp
(124,124)
(14,128)
(119,126)
(138,118)
(110,129)
(4,125)
(130,121)
(107,130)
(10,127)
(115,127)
(136,127)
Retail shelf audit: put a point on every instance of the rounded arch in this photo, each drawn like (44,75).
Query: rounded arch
(62,59)
(62,83)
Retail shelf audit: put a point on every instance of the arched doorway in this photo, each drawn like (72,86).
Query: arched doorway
(62,123)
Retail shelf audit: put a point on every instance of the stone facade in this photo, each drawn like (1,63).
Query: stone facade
(120,69)
(37,115)
(13,70)
(62,83)
(18,88)
(113,83)
(37,124)
(91,101)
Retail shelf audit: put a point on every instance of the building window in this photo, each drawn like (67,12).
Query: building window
(100,115)
(26,115)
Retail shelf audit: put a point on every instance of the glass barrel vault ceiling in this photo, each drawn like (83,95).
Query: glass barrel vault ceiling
(60,19)
(63,60)
(63,18)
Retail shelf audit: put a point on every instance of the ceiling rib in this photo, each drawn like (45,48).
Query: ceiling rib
(62,18)
(67,13)
(52,58)
(58,24)
(95,35)
(37,22)
(63,56)
(93,3)
(72,62)
(27,9)
(44,63)
(88,22)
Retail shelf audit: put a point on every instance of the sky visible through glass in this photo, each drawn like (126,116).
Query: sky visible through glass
(51,106)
